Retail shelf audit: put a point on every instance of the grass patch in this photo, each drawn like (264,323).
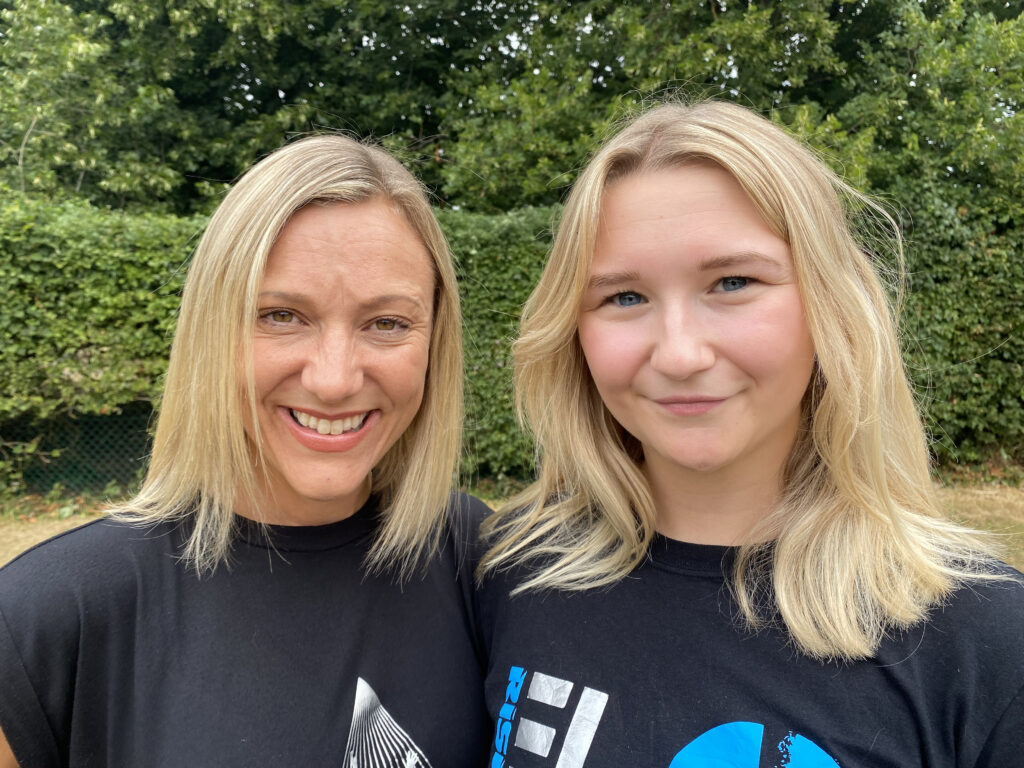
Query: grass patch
(27,520)
(998,509)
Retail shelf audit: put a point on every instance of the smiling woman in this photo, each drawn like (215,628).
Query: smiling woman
(339,361)
(289,585)
(700,349)
(733,534)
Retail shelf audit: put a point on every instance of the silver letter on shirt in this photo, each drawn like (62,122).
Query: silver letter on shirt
(549,690)
(582,729)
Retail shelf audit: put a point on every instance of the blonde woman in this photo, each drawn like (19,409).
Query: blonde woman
(286,588)
(731,556)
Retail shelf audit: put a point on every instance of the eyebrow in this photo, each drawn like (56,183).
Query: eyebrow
(382,301)
(736,259)
(612,279)
(289,297)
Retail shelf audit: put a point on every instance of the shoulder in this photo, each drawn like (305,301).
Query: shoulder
(465,515)
(973,641)
(95,557)
(462,505)
(989,612)
(973,646)
(98,540)
(77,589)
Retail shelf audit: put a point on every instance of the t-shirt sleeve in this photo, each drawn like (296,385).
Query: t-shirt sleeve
(988,629)
(49,598)
(38,627)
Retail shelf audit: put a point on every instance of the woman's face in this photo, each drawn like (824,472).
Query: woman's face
(693,327)
(340,354)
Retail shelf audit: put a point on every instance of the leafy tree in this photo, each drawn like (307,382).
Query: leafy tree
(567,70)
(50,62)
(940,92)
(160,103)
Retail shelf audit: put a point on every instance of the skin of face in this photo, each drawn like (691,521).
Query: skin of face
(340,353)
(694,332)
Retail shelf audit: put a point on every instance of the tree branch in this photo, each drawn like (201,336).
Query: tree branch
(21,153)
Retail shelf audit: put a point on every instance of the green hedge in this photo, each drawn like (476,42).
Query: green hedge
(499,259)
(91,299)
(90,302)
(965,331)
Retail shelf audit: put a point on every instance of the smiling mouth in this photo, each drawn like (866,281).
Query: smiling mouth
(329,426)
(695,406)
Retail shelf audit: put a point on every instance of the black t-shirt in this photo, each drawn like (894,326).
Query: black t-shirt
(114,653)
(657,672)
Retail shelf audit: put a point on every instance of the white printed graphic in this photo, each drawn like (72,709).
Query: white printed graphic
(375,740)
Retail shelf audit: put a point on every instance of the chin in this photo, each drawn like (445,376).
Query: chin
(704,462)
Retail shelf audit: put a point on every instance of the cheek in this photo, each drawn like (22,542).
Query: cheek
(270,365)
(613,351)
(781,348)
(406,375)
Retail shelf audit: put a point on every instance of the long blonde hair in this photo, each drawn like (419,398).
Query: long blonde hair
(202,461)
(857,546)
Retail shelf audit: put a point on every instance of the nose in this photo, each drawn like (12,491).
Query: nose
(683,344)
(333,370)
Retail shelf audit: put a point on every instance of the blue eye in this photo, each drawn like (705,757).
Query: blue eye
(730,284)
(627,299)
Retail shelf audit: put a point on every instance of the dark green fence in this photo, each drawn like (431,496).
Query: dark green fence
(85,453)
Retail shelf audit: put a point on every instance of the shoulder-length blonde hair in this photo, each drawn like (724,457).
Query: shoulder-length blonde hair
(202,462)
(857,545)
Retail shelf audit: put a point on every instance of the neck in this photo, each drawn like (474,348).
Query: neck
(291,509)
(711,508)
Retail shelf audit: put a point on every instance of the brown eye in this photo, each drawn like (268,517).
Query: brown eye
(281,316)
(386,324)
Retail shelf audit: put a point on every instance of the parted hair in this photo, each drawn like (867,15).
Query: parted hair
(203,462)
(856,548)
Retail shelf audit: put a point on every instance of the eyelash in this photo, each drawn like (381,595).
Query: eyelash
(746,282)
(611,299)
(400,324)
(268,315)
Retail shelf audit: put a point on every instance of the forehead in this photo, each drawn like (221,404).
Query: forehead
(697,208)
(366,244)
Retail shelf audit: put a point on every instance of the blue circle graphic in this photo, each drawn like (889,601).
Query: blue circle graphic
(738,745)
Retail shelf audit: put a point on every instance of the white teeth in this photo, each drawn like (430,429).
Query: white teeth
(329,426)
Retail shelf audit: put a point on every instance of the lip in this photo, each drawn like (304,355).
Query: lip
(314,441)
(689,405)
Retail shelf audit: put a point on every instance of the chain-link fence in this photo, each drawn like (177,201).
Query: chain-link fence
(93,452)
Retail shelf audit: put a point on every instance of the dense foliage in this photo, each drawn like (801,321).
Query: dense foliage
(90,303)
(92,299)
(152,107)
(161,103)
(499,258)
